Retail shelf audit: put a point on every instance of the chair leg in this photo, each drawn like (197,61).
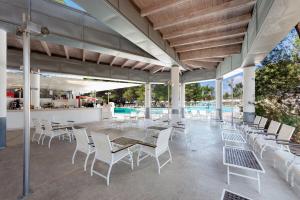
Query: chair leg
(39,138)
(92,167)
(288,171)
(50,142)
(108,174)
(86,159)
(131,159)
(292,179)
(262,150)
(158,165)
(138,158)
(170,154)
(43,139)
(73,157)
(32,139)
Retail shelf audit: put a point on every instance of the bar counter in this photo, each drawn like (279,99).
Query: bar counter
(15,118)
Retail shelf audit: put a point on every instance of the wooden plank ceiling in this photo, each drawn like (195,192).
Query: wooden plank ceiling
(203,32)
(58,50)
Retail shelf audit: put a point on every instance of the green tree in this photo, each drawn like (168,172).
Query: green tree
(276,79)
(238,90)
(140,94)
(226,95)
(130,95)
(160,93)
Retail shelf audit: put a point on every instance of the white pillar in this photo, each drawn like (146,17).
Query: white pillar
(175,92)
(3,103)
(35,89)
(147,100)
(219,98)
(249,93)
(26,112)
(182,98)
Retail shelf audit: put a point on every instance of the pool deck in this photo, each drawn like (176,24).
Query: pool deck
(197,171)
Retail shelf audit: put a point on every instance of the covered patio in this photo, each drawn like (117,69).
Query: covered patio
(197,172)
(65,45)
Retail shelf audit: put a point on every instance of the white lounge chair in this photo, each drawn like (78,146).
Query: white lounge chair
(83,145)
(295,170)
(51,132)
(162,146)
(284,135)
(260,127)
(38,131)
(262,134)
(255,123)
(287,158)
(182,129)
(107,154)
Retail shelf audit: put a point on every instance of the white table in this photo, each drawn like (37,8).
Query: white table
(229,195)
(242,159)
(230,138)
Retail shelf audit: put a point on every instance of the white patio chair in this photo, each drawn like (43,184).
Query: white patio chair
(182,129)
(107,154)
(162,146)
(260,127)
(284,135)
(83,145)
(295,169)
(38,131)
(255,123)
(51,132)
(287,158)
(261,134)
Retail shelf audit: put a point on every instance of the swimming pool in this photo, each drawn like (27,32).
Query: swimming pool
(127,110)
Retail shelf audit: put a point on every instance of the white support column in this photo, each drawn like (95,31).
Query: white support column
(175,92)
(249,93)
(3,103)
(219,98)
(26,112)
(182,98)
(35,89)
(147,100)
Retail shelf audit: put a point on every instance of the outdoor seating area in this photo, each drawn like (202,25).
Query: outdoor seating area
(261,135)
(149,99)
(149,158)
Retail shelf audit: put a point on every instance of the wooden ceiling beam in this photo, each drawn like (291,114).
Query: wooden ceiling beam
(213,60)
(211,37)
(125,63)
(113,61)
(83,55)
(199,64)
(156,69)
(161,6)
(45,47)
(147,66)
(99,58)
(66,52)
(210,53)
(226,7)
(206,45)
(214,26)
(135,65)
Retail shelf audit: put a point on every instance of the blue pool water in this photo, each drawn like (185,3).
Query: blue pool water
(126,110)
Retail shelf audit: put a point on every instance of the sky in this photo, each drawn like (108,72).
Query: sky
(73,5)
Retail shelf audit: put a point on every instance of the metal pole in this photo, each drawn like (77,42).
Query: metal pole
(26,103)
(168,100)
(232,102)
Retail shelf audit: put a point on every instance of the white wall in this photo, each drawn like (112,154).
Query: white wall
(79,115)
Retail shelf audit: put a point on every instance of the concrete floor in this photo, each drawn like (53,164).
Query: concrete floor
(196,172)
